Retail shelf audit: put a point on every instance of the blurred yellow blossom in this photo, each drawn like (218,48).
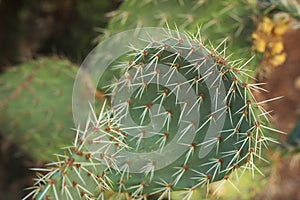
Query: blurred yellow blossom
(259,43)
(266,26)
(282,23)
(276,47)
(278,59)
(281,28)
(267,38)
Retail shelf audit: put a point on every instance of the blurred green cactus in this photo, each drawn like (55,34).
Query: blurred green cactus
(35,102)
(233,20)
(290,6)
(182,116)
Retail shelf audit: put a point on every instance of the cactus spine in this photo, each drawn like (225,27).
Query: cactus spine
(181,117)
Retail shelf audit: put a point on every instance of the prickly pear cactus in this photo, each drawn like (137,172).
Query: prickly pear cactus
(231,19)
(181,117)
(290,6)
(36,106)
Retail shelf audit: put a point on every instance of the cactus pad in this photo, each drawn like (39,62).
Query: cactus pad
(182,115)
(36,106)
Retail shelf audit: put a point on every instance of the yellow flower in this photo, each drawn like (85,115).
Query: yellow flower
(259,43)
(282,23)
(266,26)
(281,28)
(276,47)
(278,59)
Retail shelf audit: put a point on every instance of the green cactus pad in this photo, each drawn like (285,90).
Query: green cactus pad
(36,110)
(231,19)
(181,117)
(290,6)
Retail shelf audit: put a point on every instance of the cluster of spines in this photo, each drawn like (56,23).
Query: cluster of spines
(91,167)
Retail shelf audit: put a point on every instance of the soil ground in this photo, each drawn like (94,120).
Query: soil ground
(284,80)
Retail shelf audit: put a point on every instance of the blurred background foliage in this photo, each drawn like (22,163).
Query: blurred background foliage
(65,27)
